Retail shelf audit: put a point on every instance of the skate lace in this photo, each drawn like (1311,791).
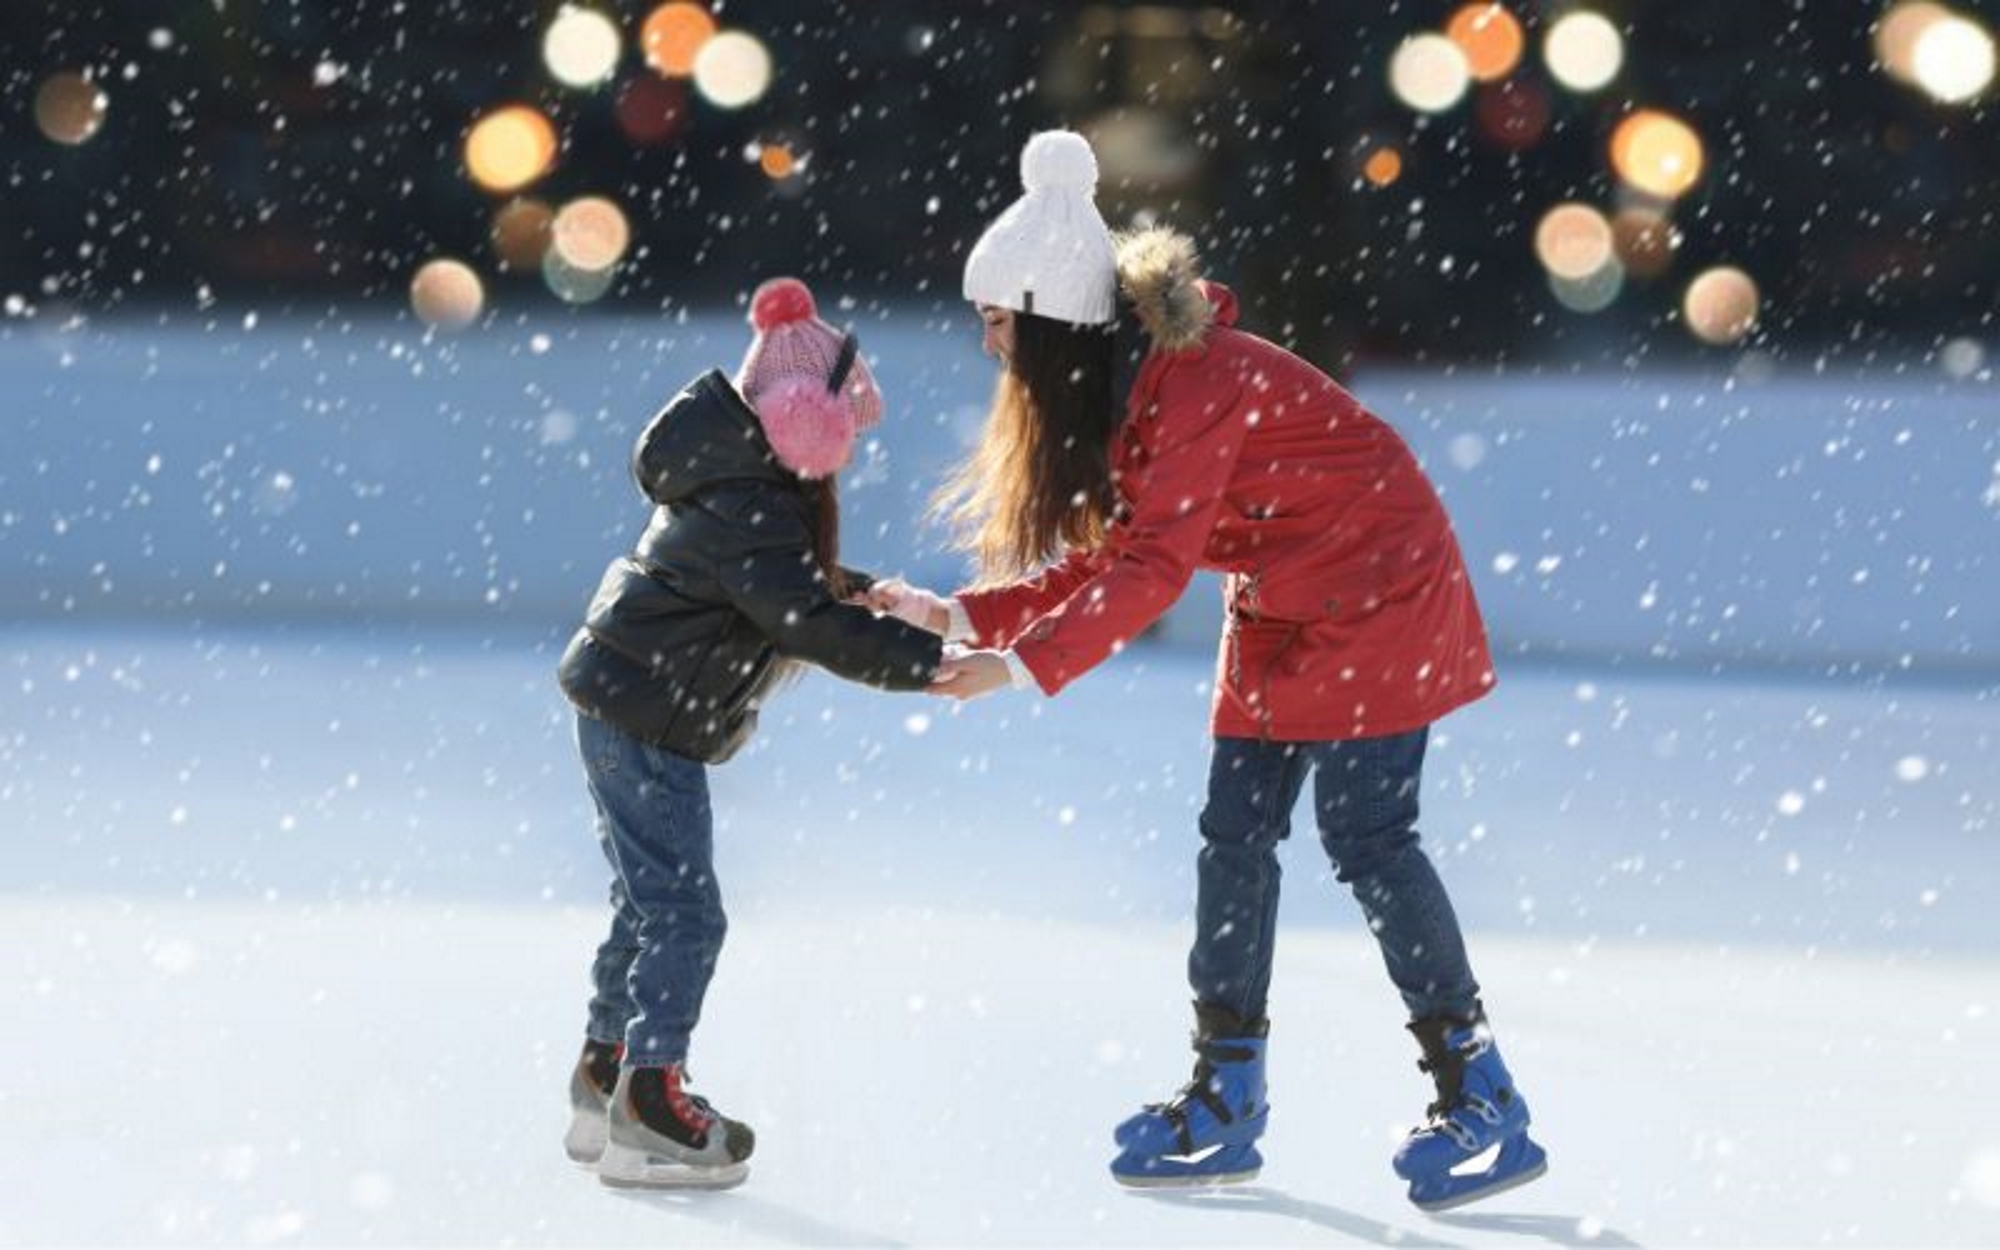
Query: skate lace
(692,1109)
(1202,1089)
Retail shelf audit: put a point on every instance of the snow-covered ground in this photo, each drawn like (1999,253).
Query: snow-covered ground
(296,927)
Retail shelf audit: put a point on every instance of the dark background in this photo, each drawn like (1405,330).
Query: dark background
(224,174)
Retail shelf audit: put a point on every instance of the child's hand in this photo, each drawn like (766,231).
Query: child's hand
(970,674)
(913,605)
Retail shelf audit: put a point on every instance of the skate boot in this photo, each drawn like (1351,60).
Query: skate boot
(658,1136)
(590,1085)
(1206,1134)
(1477,1109)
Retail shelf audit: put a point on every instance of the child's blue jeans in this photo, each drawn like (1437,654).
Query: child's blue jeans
(667,925)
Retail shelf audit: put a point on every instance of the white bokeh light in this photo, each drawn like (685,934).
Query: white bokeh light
(732,69)
(1953,60)
(581,47)
(1584,50)
(1429,73)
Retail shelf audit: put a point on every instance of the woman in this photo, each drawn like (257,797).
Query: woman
(1137,452)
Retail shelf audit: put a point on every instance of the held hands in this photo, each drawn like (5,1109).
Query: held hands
(912,605)
(966,675)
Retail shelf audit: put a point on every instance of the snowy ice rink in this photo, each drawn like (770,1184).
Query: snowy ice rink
(300,888)
(298,930)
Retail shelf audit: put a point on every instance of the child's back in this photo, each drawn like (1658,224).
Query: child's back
(686,633)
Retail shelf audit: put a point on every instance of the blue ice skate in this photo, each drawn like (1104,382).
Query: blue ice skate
(1477,1109)
(1206,1134)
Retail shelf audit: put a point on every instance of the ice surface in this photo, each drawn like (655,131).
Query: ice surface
(297,930)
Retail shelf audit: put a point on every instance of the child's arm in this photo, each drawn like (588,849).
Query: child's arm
(771,577)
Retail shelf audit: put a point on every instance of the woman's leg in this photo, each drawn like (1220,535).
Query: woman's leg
(1365,793)
(660,829)
(1252,787)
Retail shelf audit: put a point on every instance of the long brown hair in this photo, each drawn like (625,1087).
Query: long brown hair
(823,501)
(1040,480)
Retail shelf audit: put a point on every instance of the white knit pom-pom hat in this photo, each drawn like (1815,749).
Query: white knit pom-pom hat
(1050,253)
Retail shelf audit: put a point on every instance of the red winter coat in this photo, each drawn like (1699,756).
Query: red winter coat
(1350,612)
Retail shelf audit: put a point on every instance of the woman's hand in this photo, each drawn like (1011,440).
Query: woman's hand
(970,674)
(912,605)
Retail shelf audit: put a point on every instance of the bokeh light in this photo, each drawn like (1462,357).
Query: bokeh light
(522,232)
(509,148)
(1592,293)
(1954,60)
(447,294)
(1383,166)
(1489,36)
(590,234)
(1429,73)
(651,110)
(573,285)
(1513,114)
(777,160)
(673,36)
(732,70)
(1583,50)
(1573,241)
(1721,305)
(581,47)
(1645,240)
(70,108)
(1897,33)
(1657,153)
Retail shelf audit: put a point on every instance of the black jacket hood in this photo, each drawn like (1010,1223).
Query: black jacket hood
(705,435)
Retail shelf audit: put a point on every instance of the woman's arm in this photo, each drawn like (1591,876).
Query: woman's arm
(997,616)
(1149,555)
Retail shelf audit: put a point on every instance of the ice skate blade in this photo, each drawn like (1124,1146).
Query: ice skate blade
(626,1168)
(1220,1165)
(1534,1163)
(584,1143)
(1207,1181)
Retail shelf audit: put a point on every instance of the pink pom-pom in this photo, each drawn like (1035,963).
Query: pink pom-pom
(811,428)
(781,301)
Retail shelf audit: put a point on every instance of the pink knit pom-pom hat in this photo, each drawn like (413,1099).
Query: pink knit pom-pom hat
(806,381)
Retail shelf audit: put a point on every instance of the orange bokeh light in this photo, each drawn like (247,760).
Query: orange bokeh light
(509,148)
(1720,306)
(1657,153)
(1383,166)
(777,161)
(1490,37)
(673,35)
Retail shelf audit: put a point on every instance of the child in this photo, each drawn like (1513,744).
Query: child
(735,580)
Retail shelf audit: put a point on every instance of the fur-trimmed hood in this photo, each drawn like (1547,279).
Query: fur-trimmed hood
(1160,276)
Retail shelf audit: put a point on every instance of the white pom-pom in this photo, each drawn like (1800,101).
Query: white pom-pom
(1058,160)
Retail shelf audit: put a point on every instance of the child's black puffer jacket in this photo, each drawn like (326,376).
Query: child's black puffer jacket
(685,635)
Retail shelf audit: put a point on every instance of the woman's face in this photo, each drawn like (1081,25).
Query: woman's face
(998,341)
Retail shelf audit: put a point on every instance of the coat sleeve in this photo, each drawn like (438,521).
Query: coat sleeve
(1151,553)
(999,614)
(770,576)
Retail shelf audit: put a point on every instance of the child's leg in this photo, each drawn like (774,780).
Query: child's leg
(659,828)
(611,995)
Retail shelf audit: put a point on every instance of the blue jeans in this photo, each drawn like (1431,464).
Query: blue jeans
(1365,801)
(655,826)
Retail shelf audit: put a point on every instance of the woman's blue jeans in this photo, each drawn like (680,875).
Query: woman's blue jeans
(1365,803)
(657,829)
